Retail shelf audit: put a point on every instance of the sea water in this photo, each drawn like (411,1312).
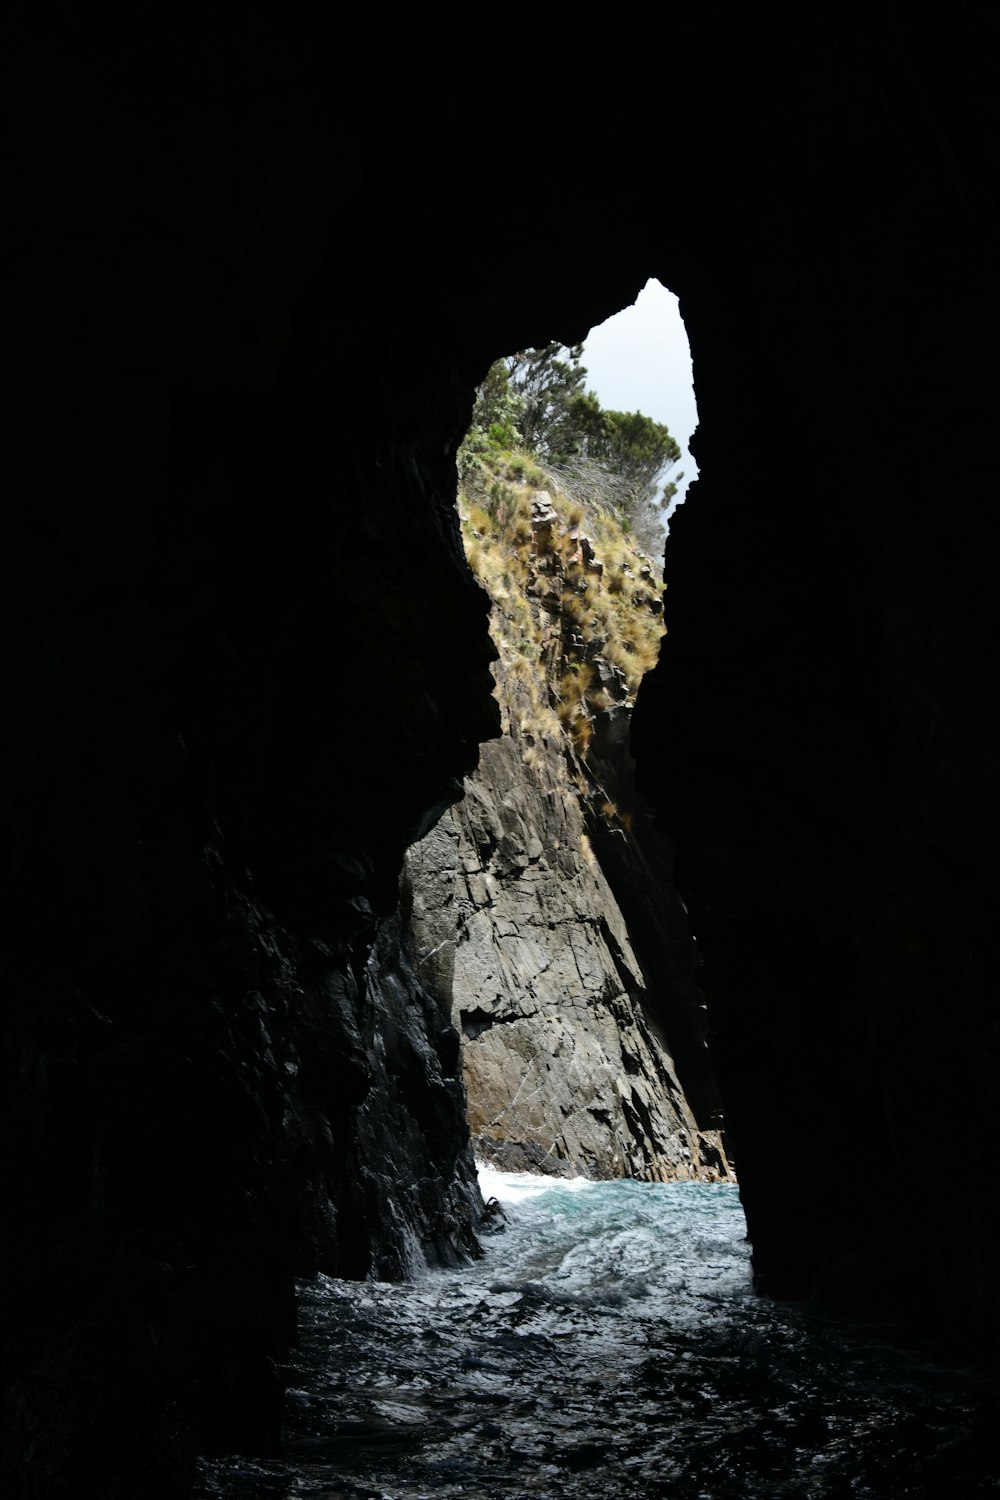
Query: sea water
(609,1346)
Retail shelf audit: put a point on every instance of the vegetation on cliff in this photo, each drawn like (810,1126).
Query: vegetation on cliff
(620,461)
(552,535)
(542,902)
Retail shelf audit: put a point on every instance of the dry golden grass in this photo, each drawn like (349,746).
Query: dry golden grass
(479,519)
(574,682)
(582,730)
(576,608)
(549,693)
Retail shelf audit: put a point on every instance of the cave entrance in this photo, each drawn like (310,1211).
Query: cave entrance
(561,948)
(640,360)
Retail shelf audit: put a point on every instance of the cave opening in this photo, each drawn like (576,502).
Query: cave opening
(571,972)
(666,1361)
(639,360)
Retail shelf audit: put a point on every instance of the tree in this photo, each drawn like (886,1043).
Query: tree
(497,413)
(616,458)
(548,385)
(640,452)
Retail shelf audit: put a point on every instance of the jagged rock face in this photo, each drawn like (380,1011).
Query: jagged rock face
(565,1025)
(244,663)
(565,1062)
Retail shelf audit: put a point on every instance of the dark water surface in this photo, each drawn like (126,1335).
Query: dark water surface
(610,1346)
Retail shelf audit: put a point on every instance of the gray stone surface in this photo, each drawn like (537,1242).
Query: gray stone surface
(517,930)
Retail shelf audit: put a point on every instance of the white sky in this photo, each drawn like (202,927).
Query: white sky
(639,360)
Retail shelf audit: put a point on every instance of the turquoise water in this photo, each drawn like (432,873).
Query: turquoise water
(610,1346)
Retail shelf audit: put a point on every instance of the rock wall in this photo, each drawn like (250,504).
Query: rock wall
(819,742)
(565,1059)
(219,1070)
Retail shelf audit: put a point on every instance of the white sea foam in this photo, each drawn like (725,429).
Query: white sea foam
(515,1187)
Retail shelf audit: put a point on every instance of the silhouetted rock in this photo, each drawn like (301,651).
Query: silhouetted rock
(253,288)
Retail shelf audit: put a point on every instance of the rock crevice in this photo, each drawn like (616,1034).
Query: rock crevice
(564,1026)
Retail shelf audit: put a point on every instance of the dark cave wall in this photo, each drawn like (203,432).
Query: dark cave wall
(821,740)
(244,664)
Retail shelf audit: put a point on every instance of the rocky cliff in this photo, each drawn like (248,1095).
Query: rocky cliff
(564,1025)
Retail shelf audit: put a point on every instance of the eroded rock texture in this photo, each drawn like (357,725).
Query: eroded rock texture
(244,664)
(565,1059)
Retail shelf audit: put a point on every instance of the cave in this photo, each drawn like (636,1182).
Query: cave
(256,272)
